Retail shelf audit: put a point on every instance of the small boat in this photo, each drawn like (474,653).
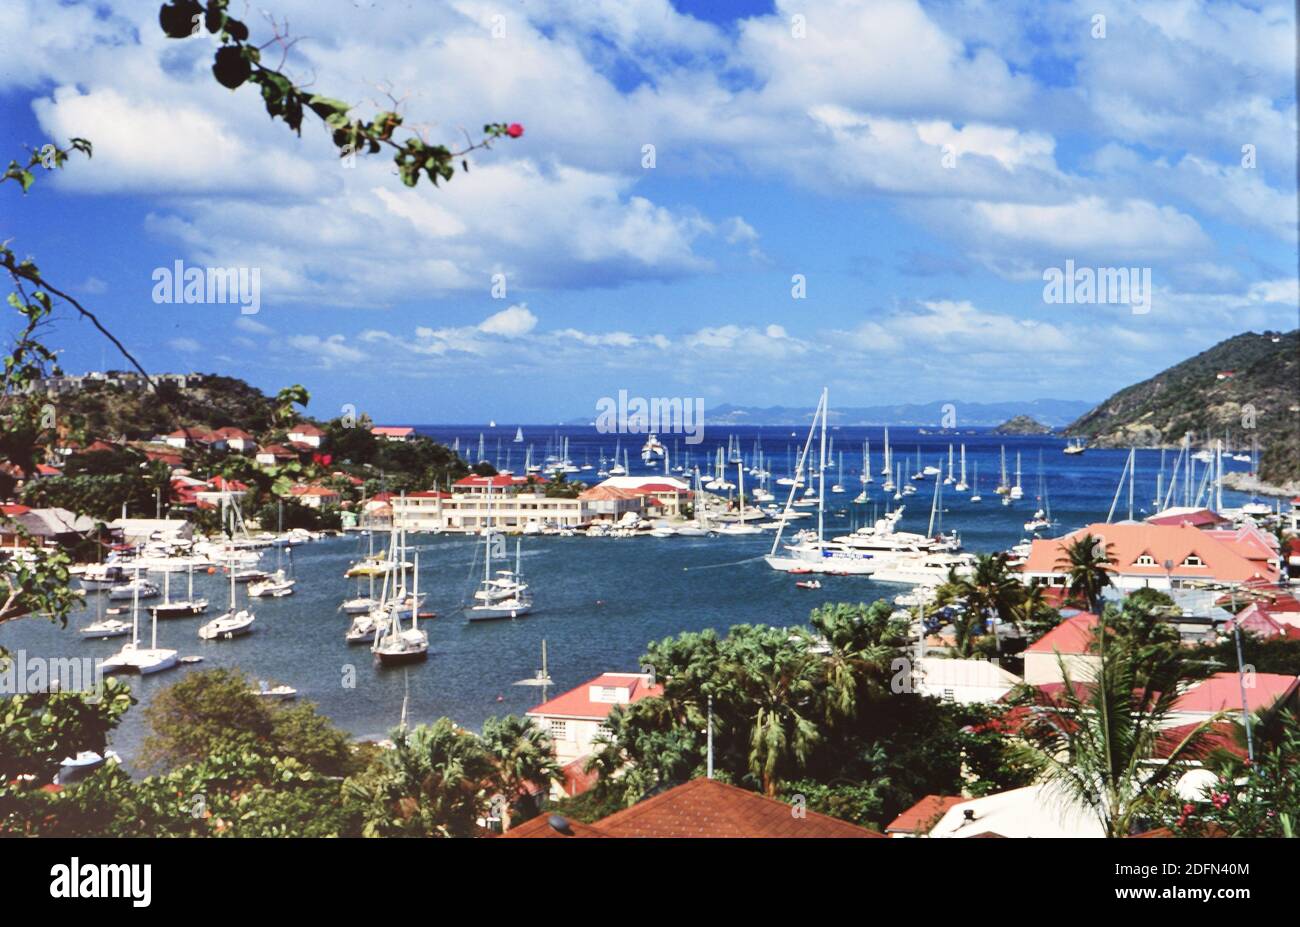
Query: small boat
(227,626)
(1075,447)
(75,768)
(102,576)
(809,584)
(515,605)
(234,623)
(359,606)
(276,586)
(106,628)
(280,693)
(132,589)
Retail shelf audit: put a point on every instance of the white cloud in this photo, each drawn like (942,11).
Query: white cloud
(512,322)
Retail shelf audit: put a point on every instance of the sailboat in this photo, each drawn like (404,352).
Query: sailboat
(1017,491)
(975,485)
(948,480)
(740,527)
(515,605)
(812,552)
(361,604)
(396,645)
(839,482)
(519,435)
(103,628)
(278,584)
(862,497)
(887,470)
(1042,519)
(542,678)
(961,481)
(134,658)
(618,469)
(1075,446)
(1003,486)
(183,609)
(234,623)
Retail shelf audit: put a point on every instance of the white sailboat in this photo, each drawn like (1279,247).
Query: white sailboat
(1003,486)
(961,482)
(1017,491)
(395,645)
(279,584)
(235,622)
(887,470)
(362,604)
(517,604)
(839,482)
(103,628)
(975,484)
(948,480)
(134,658)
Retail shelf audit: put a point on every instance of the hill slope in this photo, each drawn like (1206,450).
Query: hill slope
(1192,396)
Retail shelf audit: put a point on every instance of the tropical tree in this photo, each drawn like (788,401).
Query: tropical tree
(1104,745)
(989,589)
(1088,564)
(434,782)
(523,756)
(861,642)
(776,680)
(285,414)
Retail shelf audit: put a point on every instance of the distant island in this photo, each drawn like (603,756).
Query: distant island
(1022,425)
(1242,391)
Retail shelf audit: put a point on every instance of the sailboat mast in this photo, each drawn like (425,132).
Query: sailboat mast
(821,475)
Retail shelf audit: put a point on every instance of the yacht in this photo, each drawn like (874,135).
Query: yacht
(136,588)
(517,603)
(186,608)
(394,645)
(233,623)
(134,658)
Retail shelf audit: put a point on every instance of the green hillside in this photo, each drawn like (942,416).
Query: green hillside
(1261,397)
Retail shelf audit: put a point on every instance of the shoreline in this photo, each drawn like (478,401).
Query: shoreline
(1245,482)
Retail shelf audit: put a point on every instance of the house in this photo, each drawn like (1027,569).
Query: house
(236,439)
(306,433)
(220,488)
(963,681)
(575,718)
(275,454)
(1070,641)
(1163,556)
(1032,811)
(393,433)
(668,492)
(507,502)
(182,438)
(50,527)
(609,502)
(1260,692)
(918,820)
(1189,515)
(700,808)
(315,497)
(1277,618)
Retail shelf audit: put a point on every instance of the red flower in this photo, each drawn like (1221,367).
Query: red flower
(514,130)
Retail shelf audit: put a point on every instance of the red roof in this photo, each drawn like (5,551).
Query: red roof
(1197,519)
(221,484)
(577,703)
(47,470)
(278,450)
(312,491)
(922,816)
(1225,556)
(1073,635)
(14,509)
(231,433)
(498,481)
(709,808)
(576,779)
(392,431)
(704,808)
(541,827)
(306,428)
(427,494)
(1219,736)
(1223,692)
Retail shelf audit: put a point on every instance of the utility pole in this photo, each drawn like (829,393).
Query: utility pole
(709,772)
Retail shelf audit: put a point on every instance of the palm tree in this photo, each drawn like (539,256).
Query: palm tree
(859,653)
(523,755)
(989,589)
(1105,744)
(777,682)
(433,783)
(1088,563)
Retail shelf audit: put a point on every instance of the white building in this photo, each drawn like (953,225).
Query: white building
(963,681)
(575,718)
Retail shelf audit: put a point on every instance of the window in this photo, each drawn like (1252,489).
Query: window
(1145,560)
(1193,561)
(559,729)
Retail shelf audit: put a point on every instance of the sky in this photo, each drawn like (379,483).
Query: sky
(863,196)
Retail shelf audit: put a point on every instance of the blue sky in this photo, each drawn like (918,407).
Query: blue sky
(918,165)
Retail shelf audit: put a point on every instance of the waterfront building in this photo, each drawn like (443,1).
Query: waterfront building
(393,433)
